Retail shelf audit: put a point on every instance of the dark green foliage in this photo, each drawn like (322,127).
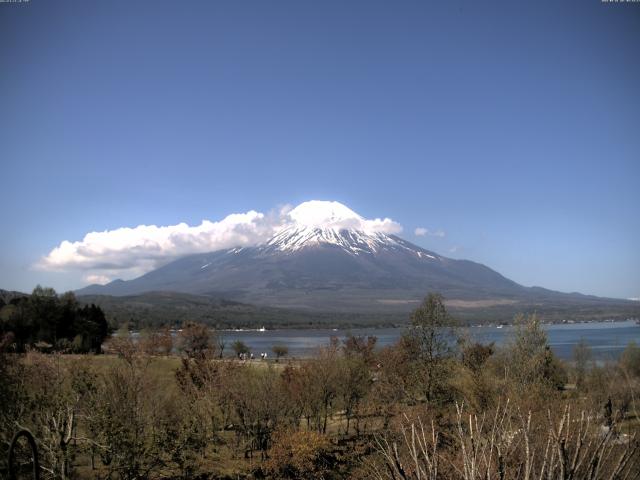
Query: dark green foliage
(239,347)
(529,362)
(11,395)
(581,357)
(54,322)
(428,343)
(155,309)
(553,372)
(197,340)
(474,355)
(630,359)
(280,351)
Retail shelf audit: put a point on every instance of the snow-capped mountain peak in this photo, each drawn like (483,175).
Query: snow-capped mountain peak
(322,223)
(317,213)
(336,216)
(296,237)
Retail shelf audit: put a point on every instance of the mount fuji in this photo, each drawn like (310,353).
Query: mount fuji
(328,258)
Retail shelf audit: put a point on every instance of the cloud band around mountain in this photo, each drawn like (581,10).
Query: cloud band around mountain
(129,252)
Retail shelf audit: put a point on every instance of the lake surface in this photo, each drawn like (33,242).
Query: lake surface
(606,339)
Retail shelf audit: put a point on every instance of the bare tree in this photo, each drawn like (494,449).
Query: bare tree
(511,445)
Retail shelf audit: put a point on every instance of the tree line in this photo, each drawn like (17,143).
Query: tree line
(52,322)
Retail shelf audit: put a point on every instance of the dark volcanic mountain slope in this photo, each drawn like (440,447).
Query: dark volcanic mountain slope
(341,270)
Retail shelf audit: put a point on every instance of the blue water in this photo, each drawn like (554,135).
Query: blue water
(606,339)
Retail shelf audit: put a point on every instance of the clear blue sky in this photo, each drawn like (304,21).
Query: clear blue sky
(514,127)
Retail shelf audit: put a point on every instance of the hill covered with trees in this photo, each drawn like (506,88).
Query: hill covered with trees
(49,321)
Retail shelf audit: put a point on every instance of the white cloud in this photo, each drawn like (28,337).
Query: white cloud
(421,232)
(145,247)
(99,279)
(455,249)
(635,299)
(129,252)
(317,213)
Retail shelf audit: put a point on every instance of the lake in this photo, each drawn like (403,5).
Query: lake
(606,339)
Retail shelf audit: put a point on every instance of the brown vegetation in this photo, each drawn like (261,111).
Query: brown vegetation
(425,408)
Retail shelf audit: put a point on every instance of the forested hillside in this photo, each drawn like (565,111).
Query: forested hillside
(50,321)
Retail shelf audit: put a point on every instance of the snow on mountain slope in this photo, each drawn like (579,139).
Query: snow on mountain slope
(294,238)
(316,223)
(354,242)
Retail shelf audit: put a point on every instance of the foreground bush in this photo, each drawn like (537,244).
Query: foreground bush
(299,455)
(508,444)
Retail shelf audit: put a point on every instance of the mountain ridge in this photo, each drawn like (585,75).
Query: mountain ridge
(334,269)
(327,258)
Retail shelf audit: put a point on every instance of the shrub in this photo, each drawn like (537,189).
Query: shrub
(280,351)
(298,455)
